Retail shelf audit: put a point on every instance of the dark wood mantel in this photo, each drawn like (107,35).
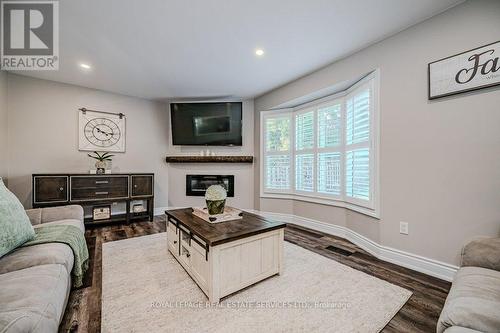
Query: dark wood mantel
(209,159)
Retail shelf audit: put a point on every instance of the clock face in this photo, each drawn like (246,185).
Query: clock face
(102,132)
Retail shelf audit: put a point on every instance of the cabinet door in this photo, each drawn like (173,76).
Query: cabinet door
(199,265)
(142,185)
(173,238)
(50,189)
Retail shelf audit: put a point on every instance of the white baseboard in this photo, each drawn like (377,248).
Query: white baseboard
(160,210)
(418,263)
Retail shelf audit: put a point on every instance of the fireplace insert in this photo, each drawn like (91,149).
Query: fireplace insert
(196,185)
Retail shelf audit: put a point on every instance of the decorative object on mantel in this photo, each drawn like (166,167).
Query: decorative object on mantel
(209,159)
(102,165)
(99,129)
(207,153)
(229,214)
(215,197)
(470,70)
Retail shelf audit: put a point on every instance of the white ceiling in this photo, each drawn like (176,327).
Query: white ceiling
(164,49)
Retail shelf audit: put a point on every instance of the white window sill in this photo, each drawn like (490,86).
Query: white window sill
(323,201)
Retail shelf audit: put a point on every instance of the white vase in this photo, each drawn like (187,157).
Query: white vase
(101,167)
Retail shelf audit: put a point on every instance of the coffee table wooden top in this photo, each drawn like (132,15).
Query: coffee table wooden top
(224,232)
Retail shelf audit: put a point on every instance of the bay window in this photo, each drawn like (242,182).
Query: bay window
(325,151)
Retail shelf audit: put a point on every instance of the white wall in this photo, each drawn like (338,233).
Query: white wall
(439,160)
(243,173)
(43,133)
(3,125)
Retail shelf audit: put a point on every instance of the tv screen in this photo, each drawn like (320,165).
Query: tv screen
(206,124)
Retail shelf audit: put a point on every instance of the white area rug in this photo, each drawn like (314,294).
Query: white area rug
(144,289)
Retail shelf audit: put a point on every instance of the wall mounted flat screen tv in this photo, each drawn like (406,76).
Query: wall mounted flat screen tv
(206,124)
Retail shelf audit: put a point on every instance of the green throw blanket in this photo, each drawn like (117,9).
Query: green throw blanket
(74,238)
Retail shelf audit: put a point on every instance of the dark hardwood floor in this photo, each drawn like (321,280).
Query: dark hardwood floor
(419,314)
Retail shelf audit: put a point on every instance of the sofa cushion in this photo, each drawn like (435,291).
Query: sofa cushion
(15,226)
(483,252)
(473,301)
(33,299)
(76,223)
(35,255)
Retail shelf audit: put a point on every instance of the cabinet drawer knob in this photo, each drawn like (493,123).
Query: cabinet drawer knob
(175,242)
(61,189)
(188,254)
(135,185)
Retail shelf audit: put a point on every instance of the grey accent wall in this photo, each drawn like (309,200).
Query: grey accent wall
(3,126)
(43,133)
(439,160)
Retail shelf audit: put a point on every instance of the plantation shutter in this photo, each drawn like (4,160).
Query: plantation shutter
(329,173)
(304,130)
(304,172)
(329,126)
(304,155)
(329,158)
(357,148)
(277,152)
(358,174)
(278,172)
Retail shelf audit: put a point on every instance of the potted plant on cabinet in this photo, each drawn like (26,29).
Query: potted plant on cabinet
(102,161)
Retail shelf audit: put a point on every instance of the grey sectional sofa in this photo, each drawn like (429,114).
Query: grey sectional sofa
(35,281)
(473,304)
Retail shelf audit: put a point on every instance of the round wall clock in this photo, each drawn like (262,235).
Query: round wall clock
(101,131)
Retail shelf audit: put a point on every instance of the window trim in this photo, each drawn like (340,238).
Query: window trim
(371,208)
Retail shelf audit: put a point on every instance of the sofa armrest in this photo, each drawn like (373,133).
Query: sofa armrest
(50,214)
(35,215)
(483,253)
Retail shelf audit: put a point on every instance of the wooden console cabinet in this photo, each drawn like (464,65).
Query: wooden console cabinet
(95,190)
(225,257)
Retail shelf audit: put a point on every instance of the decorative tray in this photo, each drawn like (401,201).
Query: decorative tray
(230,214)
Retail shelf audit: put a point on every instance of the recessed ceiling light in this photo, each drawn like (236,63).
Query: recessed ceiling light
(85,66)
(259,52)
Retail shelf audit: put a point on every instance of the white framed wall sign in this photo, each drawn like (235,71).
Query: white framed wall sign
(470,70)
(101,131)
